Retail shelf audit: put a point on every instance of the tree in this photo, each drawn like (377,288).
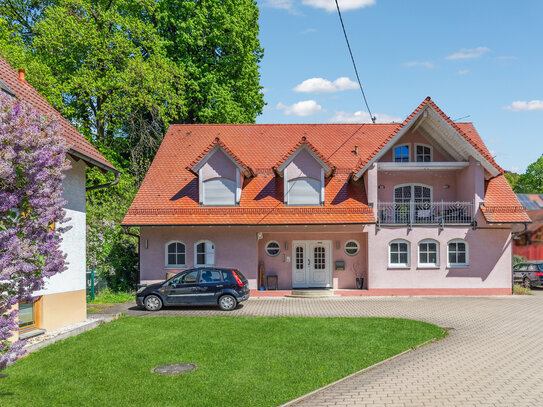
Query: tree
(216,44)
(32,160)
(531,182)
(512,178)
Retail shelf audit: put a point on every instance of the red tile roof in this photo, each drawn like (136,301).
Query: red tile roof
(501,205)
(303,141)
(24,91)
(218,142)
(169,193)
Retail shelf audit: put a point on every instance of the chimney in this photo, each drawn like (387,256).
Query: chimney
(355,150)
(22,75)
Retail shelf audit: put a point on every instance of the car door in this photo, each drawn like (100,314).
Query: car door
(519,271)
(209,285)
(183,289)
(532,269)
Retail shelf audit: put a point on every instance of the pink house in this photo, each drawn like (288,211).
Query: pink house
(418,207)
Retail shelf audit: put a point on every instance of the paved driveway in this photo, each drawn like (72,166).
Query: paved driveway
(493,355)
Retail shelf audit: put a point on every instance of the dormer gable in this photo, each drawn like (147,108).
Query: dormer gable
(304,170)
(220,175)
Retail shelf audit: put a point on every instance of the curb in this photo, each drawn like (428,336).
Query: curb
(92,323)
(360,372)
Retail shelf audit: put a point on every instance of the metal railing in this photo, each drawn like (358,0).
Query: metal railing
(425,213)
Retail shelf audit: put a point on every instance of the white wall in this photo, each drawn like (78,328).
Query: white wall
(74,240)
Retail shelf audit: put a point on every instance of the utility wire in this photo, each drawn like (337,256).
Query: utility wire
(354,64)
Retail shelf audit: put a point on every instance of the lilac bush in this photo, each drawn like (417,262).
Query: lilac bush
(32,162)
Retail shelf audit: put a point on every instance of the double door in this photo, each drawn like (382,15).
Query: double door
(311,264)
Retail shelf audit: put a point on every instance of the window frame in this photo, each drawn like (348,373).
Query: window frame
(408,145)
(458,265)
(288,194)
(423,145)
(278,246)
(235,182)
(196,264)
(399,265)
(174,266)
(36,312)
(357,247)
(428,265)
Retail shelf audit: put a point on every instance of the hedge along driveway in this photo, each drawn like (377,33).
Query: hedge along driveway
(243,361)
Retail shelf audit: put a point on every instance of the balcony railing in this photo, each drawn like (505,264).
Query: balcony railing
(425,213)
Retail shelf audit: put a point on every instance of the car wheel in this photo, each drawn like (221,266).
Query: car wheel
(227,302)
(527,283)
(152,303)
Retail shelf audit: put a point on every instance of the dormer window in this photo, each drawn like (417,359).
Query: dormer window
(423,153)
(304,171)
(220,176)
(401,154)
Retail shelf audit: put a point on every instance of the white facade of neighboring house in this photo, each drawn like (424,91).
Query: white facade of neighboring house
(62,302)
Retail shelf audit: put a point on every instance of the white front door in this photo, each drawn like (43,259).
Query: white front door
(311,265)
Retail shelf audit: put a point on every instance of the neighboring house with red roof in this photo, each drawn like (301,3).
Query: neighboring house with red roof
(414,207)
(63,301)
(529,240)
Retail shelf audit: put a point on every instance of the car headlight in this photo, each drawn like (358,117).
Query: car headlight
(141,289)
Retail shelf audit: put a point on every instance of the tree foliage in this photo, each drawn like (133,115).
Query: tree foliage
(216,43)
(32,160)
(531,182)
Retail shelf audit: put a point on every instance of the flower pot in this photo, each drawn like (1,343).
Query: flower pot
(359,282)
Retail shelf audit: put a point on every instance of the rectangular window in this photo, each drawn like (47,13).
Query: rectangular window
(399,254)
(458,254)
(428,254)
(28,316)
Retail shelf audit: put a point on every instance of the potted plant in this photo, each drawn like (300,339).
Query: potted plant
(357,268)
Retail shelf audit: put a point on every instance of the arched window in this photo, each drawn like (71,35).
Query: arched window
(219,192)
(273,248)
(304,191)
(457,253)
(423,153)
(351,248)
(175,254)
(428,253)
(204,253)
(398,253)
(401,153)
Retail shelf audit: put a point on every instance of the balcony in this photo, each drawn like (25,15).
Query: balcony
(425,213)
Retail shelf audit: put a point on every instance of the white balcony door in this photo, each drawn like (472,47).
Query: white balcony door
(311,264)
(409,198)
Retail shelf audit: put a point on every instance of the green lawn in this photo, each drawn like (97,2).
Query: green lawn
(241,361)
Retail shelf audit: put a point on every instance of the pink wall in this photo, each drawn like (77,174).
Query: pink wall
(435,179)
(219,165)
(304,165)
(281,267)
(411,138)
(489,259)
(238,247)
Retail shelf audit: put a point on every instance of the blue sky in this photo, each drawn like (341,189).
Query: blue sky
(479,58)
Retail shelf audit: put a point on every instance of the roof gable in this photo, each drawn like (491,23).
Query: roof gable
(210,150)
(452,136)
(80,147)
(304,145)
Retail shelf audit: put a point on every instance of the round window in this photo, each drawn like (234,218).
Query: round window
(352,248)
(273,248)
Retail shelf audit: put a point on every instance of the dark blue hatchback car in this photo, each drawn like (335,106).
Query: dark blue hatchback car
(202,286)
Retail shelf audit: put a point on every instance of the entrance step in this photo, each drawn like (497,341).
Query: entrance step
(309,293)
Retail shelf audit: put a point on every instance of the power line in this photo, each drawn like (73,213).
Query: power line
(354,64)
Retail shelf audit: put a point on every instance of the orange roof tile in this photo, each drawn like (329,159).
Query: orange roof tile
(214,143)
(78,144)
(169,193)
(303,141)
(501,205)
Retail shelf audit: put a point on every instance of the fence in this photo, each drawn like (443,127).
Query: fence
(95,284)
(425,213)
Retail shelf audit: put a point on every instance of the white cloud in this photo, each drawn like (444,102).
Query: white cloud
(282,4)
(515,169)
(321,85)
(361,117)
(424,64)
(521,105)
(506,57)
(309,31)
(303,108)
(463,71)
(466,53)
(344,5)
